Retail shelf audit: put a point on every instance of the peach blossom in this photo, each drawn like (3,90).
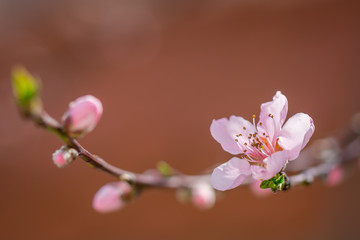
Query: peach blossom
(262,149)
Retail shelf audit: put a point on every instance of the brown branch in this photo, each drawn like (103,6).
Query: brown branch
(350,149)
(143,180)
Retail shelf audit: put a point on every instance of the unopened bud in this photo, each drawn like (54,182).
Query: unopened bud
(64,156)
(112,197)
(83,115)
(335,176)
(203,195)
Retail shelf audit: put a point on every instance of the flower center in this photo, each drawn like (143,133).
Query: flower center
(256,145)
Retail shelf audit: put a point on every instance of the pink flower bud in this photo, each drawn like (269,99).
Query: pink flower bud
(111,197)
(335,176)
(203,196)
(82,116)
(255,188)
(64,156)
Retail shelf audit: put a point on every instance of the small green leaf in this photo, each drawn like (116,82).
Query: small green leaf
(276,183)
(165,169)
(265,184)
(26,88)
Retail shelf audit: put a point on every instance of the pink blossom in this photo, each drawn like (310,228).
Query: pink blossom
(82,116)
(203,195)
(263,148)
(64,156)
(110,197)
(335,176)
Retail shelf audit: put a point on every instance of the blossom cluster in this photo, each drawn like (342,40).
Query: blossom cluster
(262,150)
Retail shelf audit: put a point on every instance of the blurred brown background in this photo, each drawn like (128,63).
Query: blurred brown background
(164,69)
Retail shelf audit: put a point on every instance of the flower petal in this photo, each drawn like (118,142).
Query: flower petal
(225,130)
(277,108)
(230,174)
(296,133)
(274,164)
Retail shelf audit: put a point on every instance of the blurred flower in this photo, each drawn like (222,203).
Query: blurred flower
(82,116)
(263,149)
(203,195)
(112,197)
(64,156)
(200,194)
(335,176)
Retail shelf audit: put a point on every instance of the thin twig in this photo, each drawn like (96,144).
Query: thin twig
(350,149)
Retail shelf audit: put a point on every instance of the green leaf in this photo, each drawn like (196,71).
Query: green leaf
(26,88)
(165,169)
(265,184)
(276,183)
